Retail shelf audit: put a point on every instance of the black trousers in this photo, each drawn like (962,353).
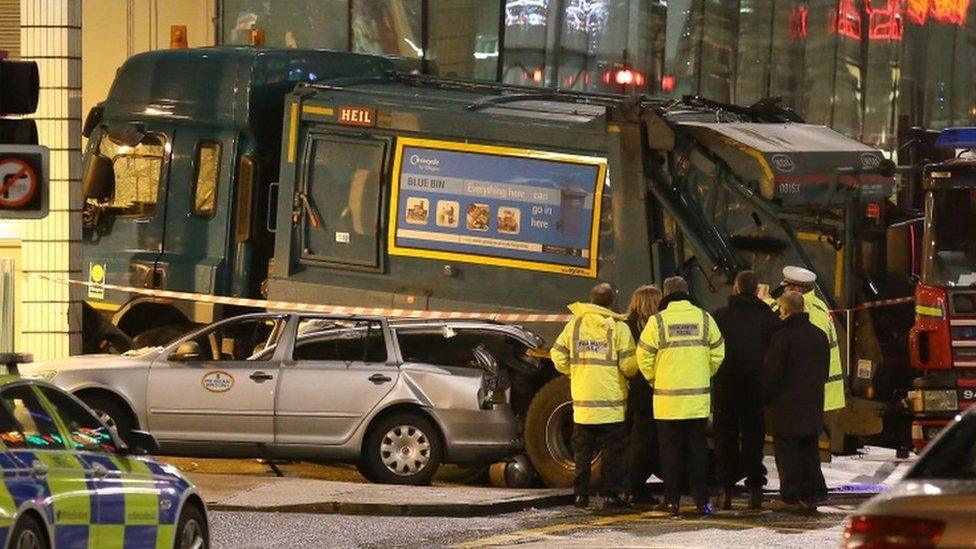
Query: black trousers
(684,450)
(642,452)
(739,437)
(798,462)
(587,440)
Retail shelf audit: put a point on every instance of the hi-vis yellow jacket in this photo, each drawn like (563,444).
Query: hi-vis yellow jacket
(820,317)
(596,350)
(679,351)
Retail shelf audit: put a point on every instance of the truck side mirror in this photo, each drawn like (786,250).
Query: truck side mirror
(92,121)
(99,180)
(899,242)
(187,351)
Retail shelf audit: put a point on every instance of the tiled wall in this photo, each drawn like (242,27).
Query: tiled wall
(50,323)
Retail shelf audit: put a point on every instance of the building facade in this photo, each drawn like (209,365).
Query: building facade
(864,67)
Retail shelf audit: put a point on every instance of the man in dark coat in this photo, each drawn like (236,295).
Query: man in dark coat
(747,324)
(794,372)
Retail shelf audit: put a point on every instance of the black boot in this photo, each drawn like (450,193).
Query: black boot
(581,501)
(613,501)
(755,497)
(724,499)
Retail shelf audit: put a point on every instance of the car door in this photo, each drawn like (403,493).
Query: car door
(198,212)
(51,475)
(127,497)
(338,370)
(218,385)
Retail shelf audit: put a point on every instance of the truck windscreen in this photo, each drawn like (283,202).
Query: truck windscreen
(950,255)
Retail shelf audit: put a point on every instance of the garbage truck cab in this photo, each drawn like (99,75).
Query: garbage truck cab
(179,161)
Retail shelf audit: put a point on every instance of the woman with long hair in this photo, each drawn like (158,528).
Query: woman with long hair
(642,453)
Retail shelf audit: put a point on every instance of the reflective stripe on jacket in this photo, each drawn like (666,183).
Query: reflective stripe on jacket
(596,350)
(679,351)
(834,398)
(820,317)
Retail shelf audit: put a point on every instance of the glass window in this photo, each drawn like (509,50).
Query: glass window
(524,54)
(341,213)
(34,423)
(246,339)
(137,174)
(340,340)
(953,456)
(288,23)
(387,27)
(463,38)
(245,198)
(87,433)
(205,187)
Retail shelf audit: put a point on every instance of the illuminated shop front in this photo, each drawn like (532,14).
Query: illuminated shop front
(865,67)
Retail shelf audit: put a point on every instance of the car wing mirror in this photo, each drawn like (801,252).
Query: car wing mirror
(141,443)
(188,350)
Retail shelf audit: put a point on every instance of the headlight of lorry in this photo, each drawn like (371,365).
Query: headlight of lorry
(935,401)
(46,375)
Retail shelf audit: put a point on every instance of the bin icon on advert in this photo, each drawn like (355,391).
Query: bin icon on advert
(572,202)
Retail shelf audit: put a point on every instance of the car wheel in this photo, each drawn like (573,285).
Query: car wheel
(160,335)
(191,529)
(549,433)
(403,448)
(112,414)
(28,534)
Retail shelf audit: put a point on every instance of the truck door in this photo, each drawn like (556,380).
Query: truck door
(193,255)
(124,230)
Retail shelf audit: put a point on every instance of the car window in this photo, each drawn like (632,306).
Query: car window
(137,174)
(34,422)
(87,433)
(456,347)
(246,339)
(340,340)
(953,456)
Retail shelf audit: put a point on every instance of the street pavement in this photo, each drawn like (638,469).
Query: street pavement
(853,479)
(547,528)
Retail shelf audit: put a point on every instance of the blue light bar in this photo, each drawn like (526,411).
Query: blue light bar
(957,138)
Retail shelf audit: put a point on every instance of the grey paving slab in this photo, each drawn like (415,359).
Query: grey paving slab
(236,492)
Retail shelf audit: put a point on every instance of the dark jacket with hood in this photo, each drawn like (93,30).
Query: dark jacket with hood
(794,372)
(747,324)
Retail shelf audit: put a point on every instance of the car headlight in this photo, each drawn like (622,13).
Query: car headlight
(935,401)
(46,375)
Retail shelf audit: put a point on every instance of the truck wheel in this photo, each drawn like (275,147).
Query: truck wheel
(160,335)
(111,413)
(548,435)
(403,448)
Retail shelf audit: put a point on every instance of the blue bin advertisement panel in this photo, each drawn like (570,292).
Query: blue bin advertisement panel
(496,206)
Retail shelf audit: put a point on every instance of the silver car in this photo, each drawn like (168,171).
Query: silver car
(305,386)
(932,506)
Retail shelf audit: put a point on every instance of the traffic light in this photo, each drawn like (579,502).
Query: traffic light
(23,163)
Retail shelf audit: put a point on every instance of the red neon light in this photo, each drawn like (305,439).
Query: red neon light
(798,22)
(668,82)
(846,21)
(885,23)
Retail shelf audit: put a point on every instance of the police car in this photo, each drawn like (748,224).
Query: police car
(68,481)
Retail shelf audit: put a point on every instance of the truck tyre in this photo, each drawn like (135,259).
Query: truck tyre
(548,435)
(160,335)
(402,448)
(111,413)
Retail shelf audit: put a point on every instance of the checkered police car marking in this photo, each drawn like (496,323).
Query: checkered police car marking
(135,505)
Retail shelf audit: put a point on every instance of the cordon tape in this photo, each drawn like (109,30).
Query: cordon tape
(375,311)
